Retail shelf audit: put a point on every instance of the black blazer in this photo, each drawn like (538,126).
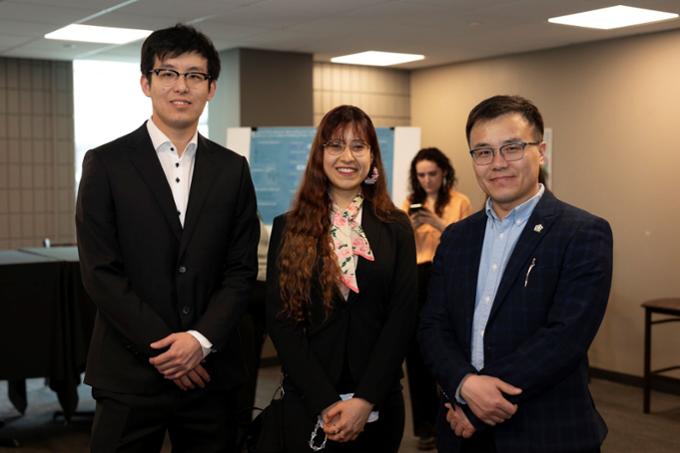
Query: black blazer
(548,308)
(371,330)
(150,277)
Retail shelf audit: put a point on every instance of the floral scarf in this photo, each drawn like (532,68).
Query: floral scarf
(349,240)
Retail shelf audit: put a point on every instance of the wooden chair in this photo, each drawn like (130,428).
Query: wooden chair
(671,308)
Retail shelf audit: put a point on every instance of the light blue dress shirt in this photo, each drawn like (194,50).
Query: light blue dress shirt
(500,238)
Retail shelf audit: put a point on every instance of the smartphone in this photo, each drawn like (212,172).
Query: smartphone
(415,207)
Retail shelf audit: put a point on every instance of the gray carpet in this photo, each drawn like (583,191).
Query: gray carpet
(620,405)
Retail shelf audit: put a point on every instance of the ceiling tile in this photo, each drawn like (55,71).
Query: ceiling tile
(444,30)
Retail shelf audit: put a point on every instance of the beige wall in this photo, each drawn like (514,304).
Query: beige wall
(252,93)
(384,94)
(615,110)
(36,152)
(275,88)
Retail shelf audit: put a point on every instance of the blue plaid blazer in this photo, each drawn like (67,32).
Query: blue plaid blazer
(541,324)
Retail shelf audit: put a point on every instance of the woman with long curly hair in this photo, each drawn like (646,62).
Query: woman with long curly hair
(341,295)
(432,205)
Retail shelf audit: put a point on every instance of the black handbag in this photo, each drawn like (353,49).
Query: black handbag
(265,432)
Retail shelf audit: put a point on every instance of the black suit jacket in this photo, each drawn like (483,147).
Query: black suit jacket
(150,277)
(371,330)
(541,324)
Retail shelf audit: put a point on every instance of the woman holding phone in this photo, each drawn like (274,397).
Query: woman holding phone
(341,295)
(433,204)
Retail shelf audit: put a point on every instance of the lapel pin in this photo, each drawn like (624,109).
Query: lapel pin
(538,228)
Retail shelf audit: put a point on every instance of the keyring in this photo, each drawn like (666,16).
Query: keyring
(312,438)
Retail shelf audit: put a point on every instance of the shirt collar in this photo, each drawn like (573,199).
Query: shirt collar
(161,141)
(519,213)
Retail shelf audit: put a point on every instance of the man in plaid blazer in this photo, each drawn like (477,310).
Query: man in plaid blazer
(517,294)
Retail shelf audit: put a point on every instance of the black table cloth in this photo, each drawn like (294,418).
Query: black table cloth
(46,322)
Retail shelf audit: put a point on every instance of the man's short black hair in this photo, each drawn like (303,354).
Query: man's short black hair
(175,41)
(496,106)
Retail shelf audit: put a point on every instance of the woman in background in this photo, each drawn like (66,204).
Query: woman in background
(341,295)
(432,205)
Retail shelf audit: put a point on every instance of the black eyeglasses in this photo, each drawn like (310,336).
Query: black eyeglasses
(170,76)
(484,155)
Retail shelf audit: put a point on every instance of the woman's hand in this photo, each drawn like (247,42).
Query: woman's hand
(345,420)
(425,216)
(415,220)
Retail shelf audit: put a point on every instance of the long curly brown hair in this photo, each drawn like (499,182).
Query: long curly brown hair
(418,194)
(306,245)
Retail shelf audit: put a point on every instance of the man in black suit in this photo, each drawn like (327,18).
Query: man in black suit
(167,236)
(517,294)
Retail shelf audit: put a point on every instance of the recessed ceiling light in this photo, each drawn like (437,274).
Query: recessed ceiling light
(92,33)
(376,58)
(613,17)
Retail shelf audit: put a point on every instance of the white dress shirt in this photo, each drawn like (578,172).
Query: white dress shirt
(178,168)
(179,171)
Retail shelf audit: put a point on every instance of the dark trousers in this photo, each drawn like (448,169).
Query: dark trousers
(200,421)
(482,442)
(422,386)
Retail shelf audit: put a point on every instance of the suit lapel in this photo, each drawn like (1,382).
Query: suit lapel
(202,180)
(471,268)
(537,227)
(143,157)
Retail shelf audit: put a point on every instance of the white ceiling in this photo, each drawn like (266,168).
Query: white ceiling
(445,31)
